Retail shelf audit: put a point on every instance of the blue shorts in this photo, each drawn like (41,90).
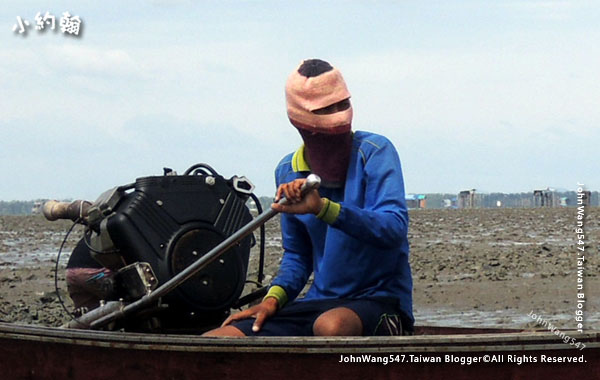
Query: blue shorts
(297,318)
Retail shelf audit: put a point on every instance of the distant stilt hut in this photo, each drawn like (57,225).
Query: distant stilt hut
(37,207)
(466,199)
(545,198)
(416,201)
(584,198)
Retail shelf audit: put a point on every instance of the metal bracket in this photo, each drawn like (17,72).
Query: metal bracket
(137,279)
(242,185)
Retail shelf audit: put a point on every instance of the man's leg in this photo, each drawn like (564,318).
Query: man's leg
(225,331)
(319,318)
(340,321)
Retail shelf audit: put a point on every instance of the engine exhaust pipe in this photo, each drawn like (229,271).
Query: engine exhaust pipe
(76,210)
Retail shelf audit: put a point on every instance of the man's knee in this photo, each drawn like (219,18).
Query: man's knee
(340,321)
(229,330)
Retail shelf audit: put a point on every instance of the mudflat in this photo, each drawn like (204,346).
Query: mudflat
(478,267)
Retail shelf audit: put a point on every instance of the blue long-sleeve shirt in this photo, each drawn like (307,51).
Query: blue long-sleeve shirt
(364,251)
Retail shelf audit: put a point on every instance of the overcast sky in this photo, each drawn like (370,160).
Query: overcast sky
(500,96)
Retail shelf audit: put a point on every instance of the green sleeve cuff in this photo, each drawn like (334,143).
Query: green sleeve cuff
(330,211)
(279,294)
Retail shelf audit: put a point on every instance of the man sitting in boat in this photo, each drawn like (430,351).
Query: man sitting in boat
(351,233)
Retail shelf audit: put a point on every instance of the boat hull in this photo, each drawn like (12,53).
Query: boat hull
(36,352)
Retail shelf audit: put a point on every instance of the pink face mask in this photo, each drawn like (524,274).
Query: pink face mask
(304,95)
(328,155)
(319,107)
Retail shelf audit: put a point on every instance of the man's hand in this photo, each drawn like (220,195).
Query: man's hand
(261,312)
(311,203)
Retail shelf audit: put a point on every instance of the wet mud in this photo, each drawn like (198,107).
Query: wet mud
(481,267)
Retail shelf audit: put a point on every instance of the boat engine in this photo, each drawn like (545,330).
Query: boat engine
(151,230)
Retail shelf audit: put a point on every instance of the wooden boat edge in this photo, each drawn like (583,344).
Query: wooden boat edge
(491,341)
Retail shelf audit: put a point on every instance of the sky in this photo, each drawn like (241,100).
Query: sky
(499,96)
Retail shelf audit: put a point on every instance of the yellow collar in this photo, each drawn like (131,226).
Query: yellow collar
(299,164)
